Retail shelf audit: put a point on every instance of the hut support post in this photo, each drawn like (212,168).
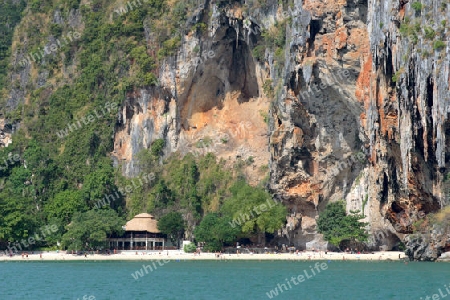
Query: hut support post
(131,242)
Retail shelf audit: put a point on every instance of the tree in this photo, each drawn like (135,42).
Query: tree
(214,181)
(90,230)
(337,226)
(254,210)
(162,195)
(182,177)
(98,183)
(172,224)
(215,231)
(190,248)
(19,214)
(64,204)
(157,147)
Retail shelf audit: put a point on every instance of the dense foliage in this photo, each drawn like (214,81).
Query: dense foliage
(216,231)
(11,14)
(172,225)
(255,209)
(90,229)
(338,226)
(203,187)
(190,248)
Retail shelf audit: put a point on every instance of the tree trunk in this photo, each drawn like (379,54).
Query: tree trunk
(261,238)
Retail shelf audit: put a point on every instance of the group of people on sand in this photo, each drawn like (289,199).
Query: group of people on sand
(25,255)
(351,251)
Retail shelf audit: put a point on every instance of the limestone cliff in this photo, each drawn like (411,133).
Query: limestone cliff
(335,99)
(353,105)
(359,112)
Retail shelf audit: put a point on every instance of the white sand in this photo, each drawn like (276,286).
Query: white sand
(176,255)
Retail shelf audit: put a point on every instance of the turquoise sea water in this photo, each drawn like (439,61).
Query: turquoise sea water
(221,280)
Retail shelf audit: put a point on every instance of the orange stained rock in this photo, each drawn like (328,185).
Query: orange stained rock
(401,13)
(341,38)
(200,120)
(381,96)
(383,123)
(327,43)
(315,171)
(373,156)
(363,83)
(360,38)
(303,189)
(298,137)
(411,181)
(319,7)
(310,192)
(237,12)
(363,119)
(388,119)
(278,135)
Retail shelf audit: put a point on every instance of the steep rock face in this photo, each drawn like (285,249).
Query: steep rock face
(216,104)
(401,126)
(421,248)
(408,119)
(358,113)
(318,143)
(314,158)
(146,115)
(429,246)
(24,77)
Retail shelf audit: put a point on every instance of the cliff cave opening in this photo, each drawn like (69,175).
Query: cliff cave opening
(315,27)
(384,191)
(231,71)
(430,87)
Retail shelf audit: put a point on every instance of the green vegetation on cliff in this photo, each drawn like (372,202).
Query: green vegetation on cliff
(10,16)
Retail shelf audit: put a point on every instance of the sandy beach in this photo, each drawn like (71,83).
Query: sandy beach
(179,255)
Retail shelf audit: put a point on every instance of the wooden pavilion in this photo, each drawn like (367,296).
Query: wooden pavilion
(141,233)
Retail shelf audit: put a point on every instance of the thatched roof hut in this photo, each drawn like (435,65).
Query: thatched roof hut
(143,222)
